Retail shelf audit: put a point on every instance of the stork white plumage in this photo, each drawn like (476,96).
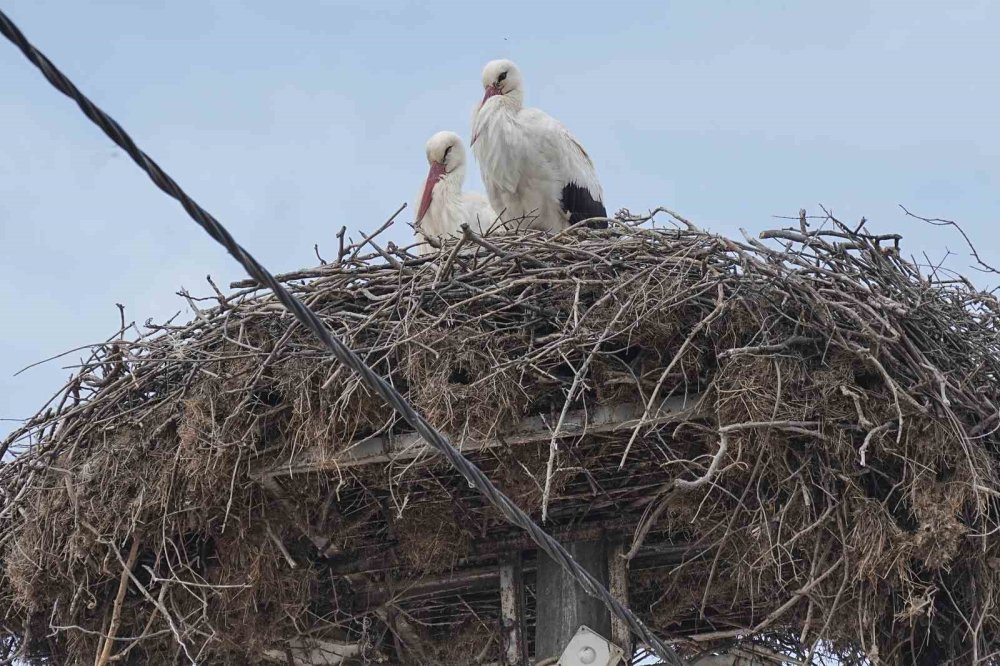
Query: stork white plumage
(531,165)
(443,206)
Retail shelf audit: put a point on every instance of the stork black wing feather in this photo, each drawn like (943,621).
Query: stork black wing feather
(580,205)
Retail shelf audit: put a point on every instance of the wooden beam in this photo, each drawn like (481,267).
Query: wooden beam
(513,620)
(618,586)
(562,605)
(375,595)
(408,446)
(312,652)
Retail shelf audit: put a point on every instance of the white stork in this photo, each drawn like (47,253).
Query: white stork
(443,206)
(531,165)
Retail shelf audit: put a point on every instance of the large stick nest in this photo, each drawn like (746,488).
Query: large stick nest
(832,484)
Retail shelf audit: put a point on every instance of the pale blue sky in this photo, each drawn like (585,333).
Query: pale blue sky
(287,120)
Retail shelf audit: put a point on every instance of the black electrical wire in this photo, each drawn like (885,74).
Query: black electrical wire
(214,228)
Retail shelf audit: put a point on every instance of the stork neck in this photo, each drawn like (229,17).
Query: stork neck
(445,209)
(495,118)
(502,106)
(511,102)
(451,182)
(448,191)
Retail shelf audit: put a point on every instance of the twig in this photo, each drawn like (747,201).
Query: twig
(686,484)
(292,564)
(868,438)
(116,612)
(939,222)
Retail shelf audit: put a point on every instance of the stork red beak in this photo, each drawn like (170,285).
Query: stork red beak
(433,176)
(490,92)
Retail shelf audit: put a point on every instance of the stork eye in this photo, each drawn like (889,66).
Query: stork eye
(502,77)
(446,151)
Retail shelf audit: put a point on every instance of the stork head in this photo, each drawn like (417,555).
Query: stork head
(502,78)
(446,157)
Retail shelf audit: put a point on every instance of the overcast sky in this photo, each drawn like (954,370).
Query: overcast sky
(287,120)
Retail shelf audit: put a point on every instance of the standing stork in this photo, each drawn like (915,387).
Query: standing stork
(532,166)
(443,206)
